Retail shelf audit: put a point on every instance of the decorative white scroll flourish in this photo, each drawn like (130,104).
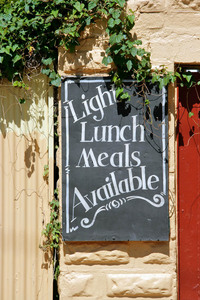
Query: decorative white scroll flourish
(158,201)
(85,222)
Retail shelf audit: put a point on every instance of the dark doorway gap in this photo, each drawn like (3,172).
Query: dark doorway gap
(56,178)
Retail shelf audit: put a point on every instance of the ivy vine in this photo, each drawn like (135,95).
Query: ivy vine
(31,32)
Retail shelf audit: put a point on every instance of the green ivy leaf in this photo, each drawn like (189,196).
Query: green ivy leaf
(56,82)
(116,38)
(14,47)
(17,83)
(5,50)
(47,61)
(155,77)
(116,79)
(117,21)
(131,19)
(141,52)
(53,75)
(191,114)
(107,60)
(26,8)
(55,13)
(16,58)
(116,13)
(1,59)
(92,4)
(88,21)
(79,6)
(178,75)
(187,77)
(165,80)
(111,22)
(129,44)
(129,65)
(125,96)
(137,42)
(172,78)
(121,3)
(133,51)
(46,71)
(117,51)
(118,91)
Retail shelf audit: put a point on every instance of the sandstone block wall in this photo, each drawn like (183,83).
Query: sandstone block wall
(105,270)
(169,29)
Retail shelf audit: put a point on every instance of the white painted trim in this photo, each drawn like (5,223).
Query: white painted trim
(67,157)
(164,141)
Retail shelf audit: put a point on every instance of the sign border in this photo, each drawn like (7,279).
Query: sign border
(66,81)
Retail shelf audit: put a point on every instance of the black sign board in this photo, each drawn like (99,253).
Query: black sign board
(114,162)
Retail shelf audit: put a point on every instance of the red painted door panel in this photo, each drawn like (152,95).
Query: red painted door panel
(189,192)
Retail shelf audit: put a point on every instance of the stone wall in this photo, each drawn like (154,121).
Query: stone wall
(105,270)
(141,270)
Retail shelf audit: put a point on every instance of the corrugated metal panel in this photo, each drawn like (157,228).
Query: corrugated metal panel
(25,136)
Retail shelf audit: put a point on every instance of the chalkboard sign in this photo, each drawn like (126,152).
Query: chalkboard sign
(114,162)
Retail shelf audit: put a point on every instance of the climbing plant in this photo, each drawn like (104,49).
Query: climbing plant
(31,32)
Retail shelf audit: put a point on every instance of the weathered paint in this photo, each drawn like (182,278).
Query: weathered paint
(25,133)
(189,191)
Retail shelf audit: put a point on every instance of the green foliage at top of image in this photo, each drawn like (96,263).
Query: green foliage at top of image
(31,32)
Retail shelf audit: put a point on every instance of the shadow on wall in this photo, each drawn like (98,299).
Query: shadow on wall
(22,110)
(87,57)
(24,139)
(115,253)
(24,119)
(189,115)
(29,156)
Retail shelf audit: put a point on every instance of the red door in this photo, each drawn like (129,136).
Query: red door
(189,191)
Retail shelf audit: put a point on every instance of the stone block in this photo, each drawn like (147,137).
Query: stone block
(102,257)
(165,50)
(82,62)
(183,23)
(88,55)
(157,258)
(147,5)
(187,4)
(75,285)
(139,285)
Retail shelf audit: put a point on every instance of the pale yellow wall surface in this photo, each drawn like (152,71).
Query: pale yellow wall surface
(26,134)
(169,29)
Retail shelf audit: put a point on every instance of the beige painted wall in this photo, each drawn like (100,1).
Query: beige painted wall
(141,270)
(26,135)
